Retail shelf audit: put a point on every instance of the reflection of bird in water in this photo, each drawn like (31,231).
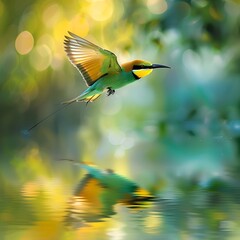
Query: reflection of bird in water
(97,194)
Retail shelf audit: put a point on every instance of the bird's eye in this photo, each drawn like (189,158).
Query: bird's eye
(136,67)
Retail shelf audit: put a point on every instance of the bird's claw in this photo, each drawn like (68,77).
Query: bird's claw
(110,91)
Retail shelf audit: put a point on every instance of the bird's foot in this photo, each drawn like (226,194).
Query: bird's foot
(110,91)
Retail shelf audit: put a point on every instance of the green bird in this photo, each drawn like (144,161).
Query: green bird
(100,70)
(99,191)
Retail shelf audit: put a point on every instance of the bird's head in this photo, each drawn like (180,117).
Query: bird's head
(141,68)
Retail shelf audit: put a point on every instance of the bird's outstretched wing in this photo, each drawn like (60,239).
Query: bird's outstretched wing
(92,61)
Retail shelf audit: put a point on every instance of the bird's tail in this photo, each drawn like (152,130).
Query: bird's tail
(83,99)
(71,101)
(80,98)
(47,117)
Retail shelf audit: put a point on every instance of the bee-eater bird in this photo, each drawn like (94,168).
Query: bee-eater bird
(100,70)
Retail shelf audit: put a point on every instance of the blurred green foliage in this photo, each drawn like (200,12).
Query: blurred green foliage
(173,133)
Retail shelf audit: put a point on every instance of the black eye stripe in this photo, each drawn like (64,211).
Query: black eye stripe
(136,67)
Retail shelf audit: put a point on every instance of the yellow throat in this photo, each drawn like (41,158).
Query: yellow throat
(142,72)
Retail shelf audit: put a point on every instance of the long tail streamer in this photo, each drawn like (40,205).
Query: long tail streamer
(48,116)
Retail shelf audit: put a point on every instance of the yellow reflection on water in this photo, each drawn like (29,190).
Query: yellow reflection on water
(152,223)
(116,232)
(24,42)
(30,189)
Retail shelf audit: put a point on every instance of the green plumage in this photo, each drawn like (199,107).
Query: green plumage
(100,68)
(110,81)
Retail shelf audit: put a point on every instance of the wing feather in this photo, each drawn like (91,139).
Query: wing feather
(92,61)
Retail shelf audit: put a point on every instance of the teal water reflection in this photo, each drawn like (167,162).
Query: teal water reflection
(106,205)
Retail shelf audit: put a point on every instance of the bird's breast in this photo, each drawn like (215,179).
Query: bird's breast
(116,81)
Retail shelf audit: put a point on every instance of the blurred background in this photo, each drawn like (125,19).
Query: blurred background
(175,133)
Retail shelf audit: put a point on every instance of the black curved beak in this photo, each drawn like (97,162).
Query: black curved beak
(159,66)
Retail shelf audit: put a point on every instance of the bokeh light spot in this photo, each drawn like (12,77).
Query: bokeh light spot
(51,15)
(116,138)
(192,60)
(77,21)
(24,42)
(41,57)
(101,10)
(200,3)
(157,6)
